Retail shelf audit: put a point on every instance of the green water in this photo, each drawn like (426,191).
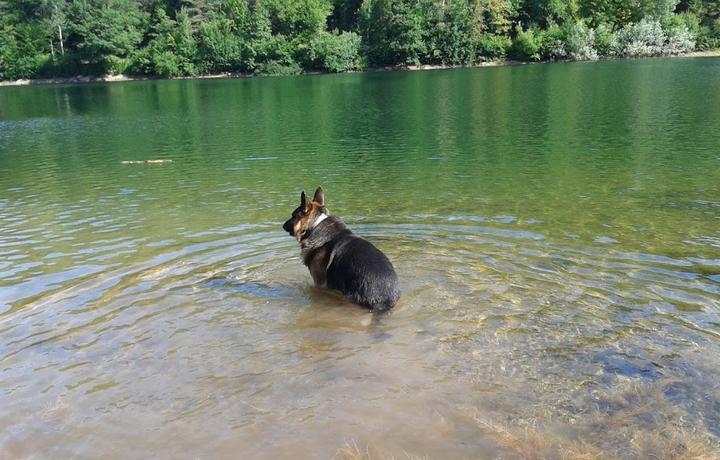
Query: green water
(555,228)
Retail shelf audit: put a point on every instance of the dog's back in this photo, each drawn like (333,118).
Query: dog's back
(362,273)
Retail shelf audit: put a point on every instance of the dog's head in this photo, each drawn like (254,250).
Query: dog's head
(305,215)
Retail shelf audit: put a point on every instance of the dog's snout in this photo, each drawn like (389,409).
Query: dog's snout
(288,227)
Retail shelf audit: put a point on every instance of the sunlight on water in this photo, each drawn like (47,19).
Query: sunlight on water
(556,231)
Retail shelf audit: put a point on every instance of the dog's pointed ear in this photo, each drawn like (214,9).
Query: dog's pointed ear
(319,197)
(303,200)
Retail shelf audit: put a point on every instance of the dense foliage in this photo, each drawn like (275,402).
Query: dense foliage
(189,37)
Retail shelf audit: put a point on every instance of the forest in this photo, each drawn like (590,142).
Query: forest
(169,38)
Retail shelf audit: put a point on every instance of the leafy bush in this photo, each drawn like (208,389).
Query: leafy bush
(645,38)
(335,52)
(18,51)
(219,50)
(392,32)
(679,40)
(603,39)
(580,43)
(140,63)
(278,68)
(709,36)
(493,47)
(60,66)
(526,45)
(709,16)
(103,31)
(448,32)
(552,42)
(678,21)
(165,64)
(21,66)
(275,55)
(117,65)
(682,31)
(171,50)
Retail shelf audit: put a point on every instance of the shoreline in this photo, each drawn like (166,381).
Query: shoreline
(80,79)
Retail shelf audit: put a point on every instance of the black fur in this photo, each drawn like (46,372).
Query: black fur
(340,260)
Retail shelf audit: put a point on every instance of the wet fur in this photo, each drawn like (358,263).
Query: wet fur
(338,259)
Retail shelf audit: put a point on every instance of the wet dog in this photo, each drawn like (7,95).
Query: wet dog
(340,260)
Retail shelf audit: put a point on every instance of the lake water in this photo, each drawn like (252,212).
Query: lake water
(555,229)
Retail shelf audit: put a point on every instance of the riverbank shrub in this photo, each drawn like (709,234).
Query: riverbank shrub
(526,46)
(709,37)
(448,31)
(13,63)
(218,47)
(603,39)
(335,52)
(551,42)
(649,38)
(392,32)
(171,48)
(645,38)
(491,47)
(679,41)
(18,55)
(580,43)
(103,33)
(708,13)
(275,56)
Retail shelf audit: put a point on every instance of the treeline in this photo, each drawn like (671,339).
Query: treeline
(42,38)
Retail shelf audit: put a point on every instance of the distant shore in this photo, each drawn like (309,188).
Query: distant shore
(122,78)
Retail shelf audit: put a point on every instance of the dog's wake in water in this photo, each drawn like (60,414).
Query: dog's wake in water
(251,288)
(318,297)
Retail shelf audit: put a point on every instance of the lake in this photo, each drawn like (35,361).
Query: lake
(555,229)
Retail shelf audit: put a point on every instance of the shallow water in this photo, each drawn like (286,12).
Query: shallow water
(555,228)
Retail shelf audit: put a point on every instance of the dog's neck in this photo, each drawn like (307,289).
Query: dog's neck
(319,219)
(319,235)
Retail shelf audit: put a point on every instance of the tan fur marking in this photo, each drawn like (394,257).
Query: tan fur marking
(308,217)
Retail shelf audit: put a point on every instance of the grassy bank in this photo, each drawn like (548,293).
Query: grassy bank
(80,79)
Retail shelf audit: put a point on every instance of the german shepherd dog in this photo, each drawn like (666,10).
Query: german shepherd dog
(340,260)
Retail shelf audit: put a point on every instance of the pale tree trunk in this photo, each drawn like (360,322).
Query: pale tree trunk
(62,47)
(52,49)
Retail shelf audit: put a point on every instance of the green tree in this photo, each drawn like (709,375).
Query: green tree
(104,33)
(293,18)
(345,14)
(392,32)
(219,48)
(196,11)
(186,37)
(171,49)
(546,12)
(497,16)
(25,39)
(335,52)
(450,31)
